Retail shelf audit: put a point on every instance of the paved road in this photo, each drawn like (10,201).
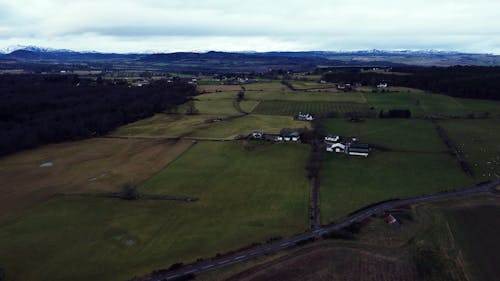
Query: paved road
(290,242)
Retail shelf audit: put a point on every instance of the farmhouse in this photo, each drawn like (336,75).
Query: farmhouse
(257,134)
(336,147)
(305,117)
(359,149)
(273,137)
(390,219)
(344,87)
(291,136)
(346,145)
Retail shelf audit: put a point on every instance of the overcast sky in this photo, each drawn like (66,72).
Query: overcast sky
(258,25)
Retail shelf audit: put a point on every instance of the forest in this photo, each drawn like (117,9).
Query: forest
(459,81)
(38,110)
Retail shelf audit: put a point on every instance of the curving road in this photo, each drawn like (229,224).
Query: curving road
(317,232)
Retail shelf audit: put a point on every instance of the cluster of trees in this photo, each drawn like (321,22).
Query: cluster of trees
(459,81)
(395,113)
(455,150)
(37,110)
(315,138)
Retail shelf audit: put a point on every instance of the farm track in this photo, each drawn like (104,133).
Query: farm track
(233,258)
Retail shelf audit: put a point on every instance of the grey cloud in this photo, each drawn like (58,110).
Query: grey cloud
(314,24)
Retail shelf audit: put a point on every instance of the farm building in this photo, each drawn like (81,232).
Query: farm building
(273,137)
(305,117)
(257,134)
(292,136)
(344,87)
(336,147)
(382,85)
(359,149)
(390,219)
(348,146)
(332,138)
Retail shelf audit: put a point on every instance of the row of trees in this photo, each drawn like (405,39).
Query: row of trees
(37,110)
(459,81)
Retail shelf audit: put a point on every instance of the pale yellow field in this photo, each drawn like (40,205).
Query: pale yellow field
(94,165)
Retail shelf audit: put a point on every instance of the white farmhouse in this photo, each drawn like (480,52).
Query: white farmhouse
(336,147)
(332,138)
(305,117)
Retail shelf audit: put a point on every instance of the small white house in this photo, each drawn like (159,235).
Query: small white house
(332,138)
(257,134)
(294,136)
(382,85)
(305,117)
(336,147)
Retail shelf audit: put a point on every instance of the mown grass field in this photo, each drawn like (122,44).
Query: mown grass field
(245,125)
(165,125)
(249,105)
(424,104)
(351,183)
(274,86)
(171,126)
(89,166)
(217,96)
(218,88)
(305,85)
(306,96)
(390,134)
(479,142)
(292,108)
(245,196)
(225,107)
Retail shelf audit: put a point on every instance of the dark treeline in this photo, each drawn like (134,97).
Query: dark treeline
(36,110)
(459,81)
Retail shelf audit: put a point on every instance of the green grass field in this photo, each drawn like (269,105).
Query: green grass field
(292,108)
(306,96)
(422,104)
(249,105)
(245,125)
(479,141)
(164,125)
(217,96)
(171,126)
(304,85)
(391,134)
(245,196)
(218,107)
(266,86)
(350,183)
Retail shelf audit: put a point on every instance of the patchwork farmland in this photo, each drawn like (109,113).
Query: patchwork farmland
(291,108)
(69,224)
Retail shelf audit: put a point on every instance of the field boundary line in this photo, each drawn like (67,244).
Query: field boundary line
(169,163)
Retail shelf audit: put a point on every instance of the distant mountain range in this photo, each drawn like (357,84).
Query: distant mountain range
(251,61)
